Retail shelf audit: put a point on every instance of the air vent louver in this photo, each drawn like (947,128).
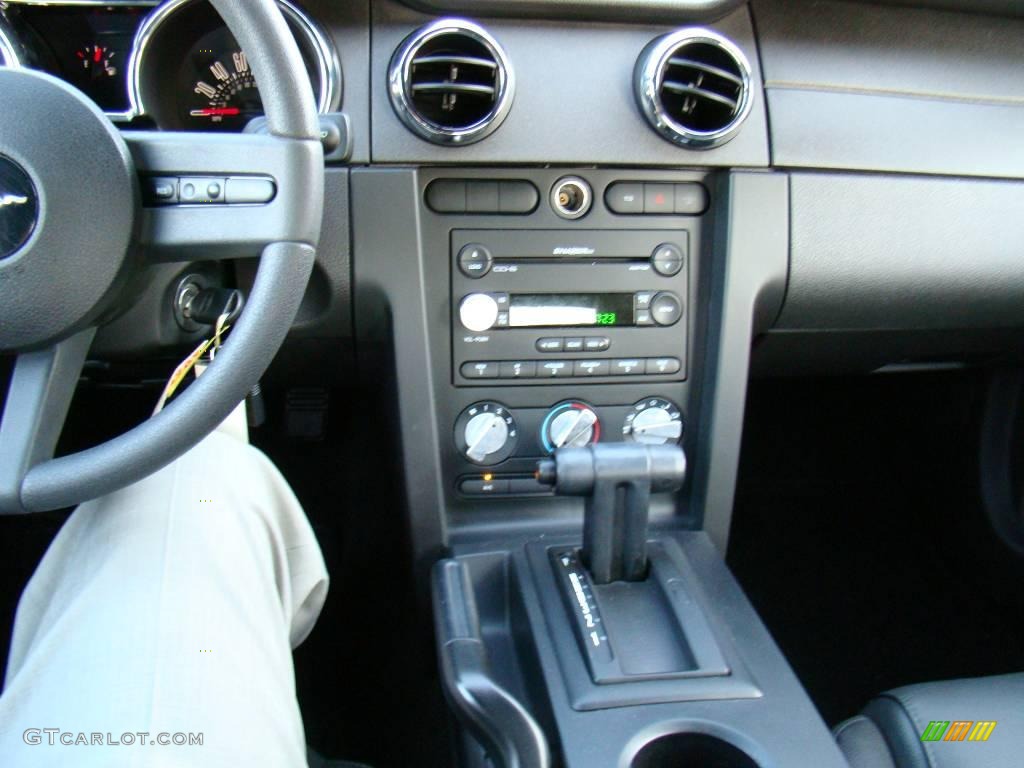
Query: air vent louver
(450,82)
(694,87)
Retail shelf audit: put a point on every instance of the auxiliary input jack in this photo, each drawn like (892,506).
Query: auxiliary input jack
(571,197)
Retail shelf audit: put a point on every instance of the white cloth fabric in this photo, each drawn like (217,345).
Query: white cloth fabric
(170,607)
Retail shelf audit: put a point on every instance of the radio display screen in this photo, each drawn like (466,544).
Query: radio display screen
(584,310)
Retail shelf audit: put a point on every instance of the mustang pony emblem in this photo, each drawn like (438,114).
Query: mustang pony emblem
(6,200)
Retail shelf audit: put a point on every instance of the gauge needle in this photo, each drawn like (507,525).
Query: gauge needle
(216,112)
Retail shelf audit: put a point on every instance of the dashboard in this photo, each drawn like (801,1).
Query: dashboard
(171,65)
(558,223)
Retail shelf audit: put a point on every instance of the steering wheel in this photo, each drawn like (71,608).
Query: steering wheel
(73,228)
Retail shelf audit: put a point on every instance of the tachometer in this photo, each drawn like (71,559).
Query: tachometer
(189,73)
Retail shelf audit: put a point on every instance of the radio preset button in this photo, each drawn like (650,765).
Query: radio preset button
(475,261)
(667,259)
(525,369)
(550,345)
(479,312)
(596,343)
(591,368)
(479,370)
(666,309)
(556,369)
(631,367)
(662,366)
(574,344)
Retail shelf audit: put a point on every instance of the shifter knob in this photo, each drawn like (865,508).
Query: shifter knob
(617,479)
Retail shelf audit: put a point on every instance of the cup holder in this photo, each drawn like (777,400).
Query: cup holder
(691,750)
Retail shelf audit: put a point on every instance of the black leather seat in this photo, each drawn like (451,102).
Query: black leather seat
(940,725)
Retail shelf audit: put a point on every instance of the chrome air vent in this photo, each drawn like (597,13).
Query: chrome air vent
(450,82)
(693,87)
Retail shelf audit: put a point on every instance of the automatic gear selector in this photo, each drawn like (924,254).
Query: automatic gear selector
(617,479)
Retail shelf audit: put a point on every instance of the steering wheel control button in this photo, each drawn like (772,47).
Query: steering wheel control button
(659,198)
(550,345)
(479,370)
(478,312)
(663,366)
(691,199)
(160,190)
(19,207)
(667,259)
(201,190)
(666,309)
(249,191)
(475,261)
(625,198)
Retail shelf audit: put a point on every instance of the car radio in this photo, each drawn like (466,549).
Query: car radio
(528,306)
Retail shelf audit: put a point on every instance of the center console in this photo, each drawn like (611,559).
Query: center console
(519,320)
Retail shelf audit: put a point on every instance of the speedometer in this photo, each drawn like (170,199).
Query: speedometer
(217,88)
(189,73)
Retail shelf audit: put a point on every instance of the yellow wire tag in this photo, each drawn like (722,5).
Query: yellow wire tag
(188,364)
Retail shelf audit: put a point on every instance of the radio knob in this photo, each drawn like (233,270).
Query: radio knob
(478,312)
(666,309)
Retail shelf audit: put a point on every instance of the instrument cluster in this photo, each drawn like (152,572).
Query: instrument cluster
(173,65)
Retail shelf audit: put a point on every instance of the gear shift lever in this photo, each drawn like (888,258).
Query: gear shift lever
(617,479)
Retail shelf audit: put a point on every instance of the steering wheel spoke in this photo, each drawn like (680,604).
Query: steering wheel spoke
(38,399)
(217,196)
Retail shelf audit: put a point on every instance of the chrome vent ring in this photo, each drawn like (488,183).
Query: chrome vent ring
(450,82)
(693,86)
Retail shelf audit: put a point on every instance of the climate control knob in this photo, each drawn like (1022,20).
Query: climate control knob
(570,424)
(654,421)
(478,312)
(486,433)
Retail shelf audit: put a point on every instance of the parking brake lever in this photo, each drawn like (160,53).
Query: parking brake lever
(617,480)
